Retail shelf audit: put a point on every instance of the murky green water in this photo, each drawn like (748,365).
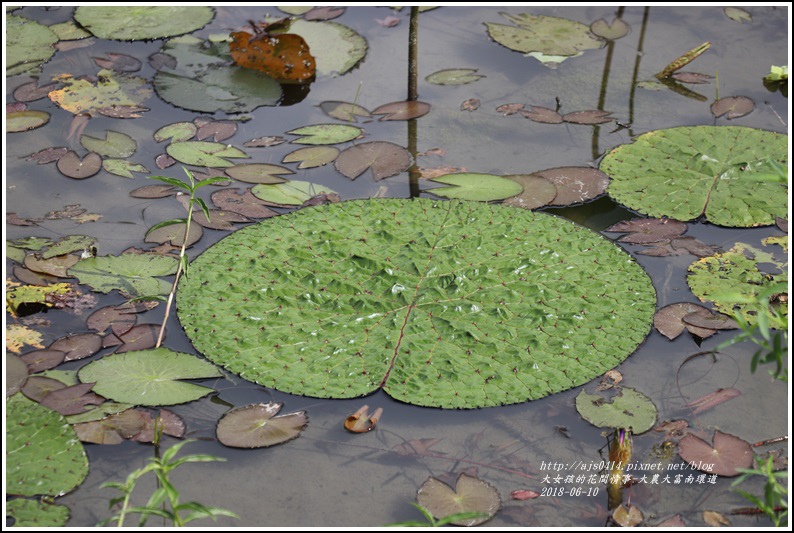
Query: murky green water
(331,478)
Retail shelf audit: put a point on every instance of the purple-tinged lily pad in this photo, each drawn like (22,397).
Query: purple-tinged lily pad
(72,400)
(694,78)
(164,161)
(544,115)
(78,346)
(153,191)
(405,110)
(16,374)
(140,337)
(29,92)
(733,107)
(324,13)
(256,426)
(118,62)
(575,184)
(37,387)
(669,320)
(220,219)
(113,429)
(245,204)
(728,454)
(383,158)
(538,191)
(510,109)
(72,166)
(648,230)
(591,117)
(472,104)
(470,495)
(167,422)
(40,360)
(111,317)
(218,130)
(48,155)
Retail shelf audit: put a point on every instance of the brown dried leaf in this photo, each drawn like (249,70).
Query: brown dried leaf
(48,155)
(261,142)
(588,118)
(509,109)
(544,115)
(648,230)
(472,104)
(715,519)
(728,454)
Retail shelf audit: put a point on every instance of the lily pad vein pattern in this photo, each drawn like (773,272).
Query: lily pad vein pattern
(448,304)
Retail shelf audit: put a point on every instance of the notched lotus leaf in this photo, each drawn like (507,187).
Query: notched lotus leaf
(669,320)
(648,230)
(140,337)
(629,409)
(446,303)
(18,121)
(591,117)
(246,204)
(538,191)
(470,495)
(176,132)
(204,153)
(575,184)
(257,426)
(43,456)
(326,134)
(344,110)
(601,28)
(628,515)
(115,144)
(544,115)
(149,377)
(285,57)
(724,458)
(258,173)
(406,110)
(314,156)
(73,166)
(732,107)
(479,187)
(72,400)
(290,194)
(132,274)
(383,158)
(726,174)
(454,76)
(16,371)
(133,23)
(78,346)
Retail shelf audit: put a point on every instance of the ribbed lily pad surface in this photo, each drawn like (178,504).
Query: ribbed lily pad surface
(727,174)
(449,304)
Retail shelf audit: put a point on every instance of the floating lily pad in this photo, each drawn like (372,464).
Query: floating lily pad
(550,36)
(39,360)
(291,193)
(617,29)
(18,336)
(470,495)
(648,230)
(16,371)
(28,44)
(176,132)
(175,234)
(202,80)
(726,174)
(480,187)
(204,153)
(336,48)
(69,244)
(37,514)
(111,90)
(55,266)
(344,110)
(628,410)
(538,191)
(77,346)
(132,274)
(137,22)
(115,144)
(732,107)
(149,377)
(575,184)
(544,115)
(669,320)
(325,134)
(590,117)
(123,168)
(43,456)
(454,76)
(218,130)
(734,280)
(383,158)
(258,173)
(257,426)
(118,62)
(245,204)
(737,14)
(73,166)
(72,400)
(312,157)
(405,110)
(140,337)
(724,458)
(447,304)
(18,121)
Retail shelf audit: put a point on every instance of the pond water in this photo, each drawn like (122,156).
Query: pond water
(329,477)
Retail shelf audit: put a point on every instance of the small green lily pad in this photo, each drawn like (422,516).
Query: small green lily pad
(628,410)
(149,377)
(290,193)
(325,134)
(133,274)
(454,76)
(115,144)
(204,153)
(312,157)
(18,121)
(479,187)
(257,426)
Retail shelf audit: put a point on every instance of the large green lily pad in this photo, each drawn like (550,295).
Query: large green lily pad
(38,514)
(43,455)
(336,48)
(727,174)
(449,304)
(132,274)
(28,45)
(628,409)
(139,22)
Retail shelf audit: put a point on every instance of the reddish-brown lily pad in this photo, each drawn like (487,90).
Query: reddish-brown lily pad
(111,317)
(141,337)
(589,118)
(256,426)
(383,158)
(648,230)
(544,115)
(113,429)
(405,110)
(245,204)
(16,374)
(538,191)
(728,454)
(509,109)
(37,387)
(48,155)
(40,360)
(575,184)
(733,107)
(153,191)
(118,62)
(669,320)
(72,400)
(78,346)
(217,130)
(72,166)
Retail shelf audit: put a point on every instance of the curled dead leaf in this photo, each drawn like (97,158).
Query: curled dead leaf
(361,421)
